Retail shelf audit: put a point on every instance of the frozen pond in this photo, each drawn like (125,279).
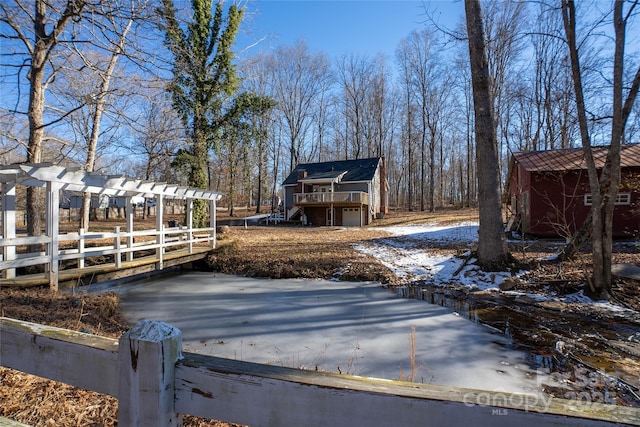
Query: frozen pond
(341,327)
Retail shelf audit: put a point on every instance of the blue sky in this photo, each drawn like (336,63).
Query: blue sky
(363,27)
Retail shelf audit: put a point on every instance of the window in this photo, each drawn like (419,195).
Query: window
(321,188)
(525,204)
(621,199)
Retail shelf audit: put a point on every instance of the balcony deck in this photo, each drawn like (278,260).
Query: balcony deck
(346,198)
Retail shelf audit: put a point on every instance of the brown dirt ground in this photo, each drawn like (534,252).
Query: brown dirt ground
(277,252)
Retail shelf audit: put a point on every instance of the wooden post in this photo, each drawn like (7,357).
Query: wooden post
(9,224)
(146,358)
(160,229)
(81,248)
(212,222)
(190,224)
(116,247)
(131,210)
(53,230)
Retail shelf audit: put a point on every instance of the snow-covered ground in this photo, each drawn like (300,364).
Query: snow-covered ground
(409,254)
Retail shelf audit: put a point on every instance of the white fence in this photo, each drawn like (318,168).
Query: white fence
(122,245)
(55,180)
(155,383)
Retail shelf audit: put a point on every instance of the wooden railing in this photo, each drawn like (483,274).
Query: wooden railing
(79,246)
(336,197)
(155,383)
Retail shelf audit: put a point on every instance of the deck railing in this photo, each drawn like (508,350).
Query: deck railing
(335,197)
(155,383)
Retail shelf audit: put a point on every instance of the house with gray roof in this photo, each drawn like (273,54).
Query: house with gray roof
(339,193)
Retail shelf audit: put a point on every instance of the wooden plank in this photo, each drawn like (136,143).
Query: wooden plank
(151,387)
(23,241)
(83,360)
(256,394)
(185,259)
(24,262)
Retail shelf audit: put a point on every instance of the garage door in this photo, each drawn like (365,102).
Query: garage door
(351,216)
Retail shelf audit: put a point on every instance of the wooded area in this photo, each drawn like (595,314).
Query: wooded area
(164,93)
(414,109)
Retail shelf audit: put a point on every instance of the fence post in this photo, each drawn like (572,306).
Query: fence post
(81,248)
(146,359)
(131,211)
(116,247)
(9,224)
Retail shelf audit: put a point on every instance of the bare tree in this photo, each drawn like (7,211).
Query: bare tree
(157,136)
(113,24)
(380,109)
(40,27)
(403,58)
(492,252)
(321,117)
(502,24)
(422,75)
(353,74)
(298,77)
(604,187)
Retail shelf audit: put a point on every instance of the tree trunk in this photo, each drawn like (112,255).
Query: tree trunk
(604,188)
(43,46)
(492,252)
(96,121)
(35,203)
(568,17)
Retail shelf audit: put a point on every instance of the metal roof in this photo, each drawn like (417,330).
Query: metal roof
(573,158)
(38,175)
(356,170)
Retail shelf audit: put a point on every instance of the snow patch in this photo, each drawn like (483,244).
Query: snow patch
(409,254)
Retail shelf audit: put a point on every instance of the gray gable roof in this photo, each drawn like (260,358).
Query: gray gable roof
(325,175)
(357,170)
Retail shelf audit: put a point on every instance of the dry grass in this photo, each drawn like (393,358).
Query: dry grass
(441,216)
(276,252)
(287,252)
(40,402)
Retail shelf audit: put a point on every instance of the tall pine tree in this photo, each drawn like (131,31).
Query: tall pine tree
(204,80)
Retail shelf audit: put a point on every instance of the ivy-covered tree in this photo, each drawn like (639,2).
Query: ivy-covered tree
(204,80)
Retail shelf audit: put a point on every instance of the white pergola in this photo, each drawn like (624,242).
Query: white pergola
(56,178)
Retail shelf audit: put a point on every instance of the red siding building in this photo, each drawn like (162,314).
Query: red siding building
(548,192)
